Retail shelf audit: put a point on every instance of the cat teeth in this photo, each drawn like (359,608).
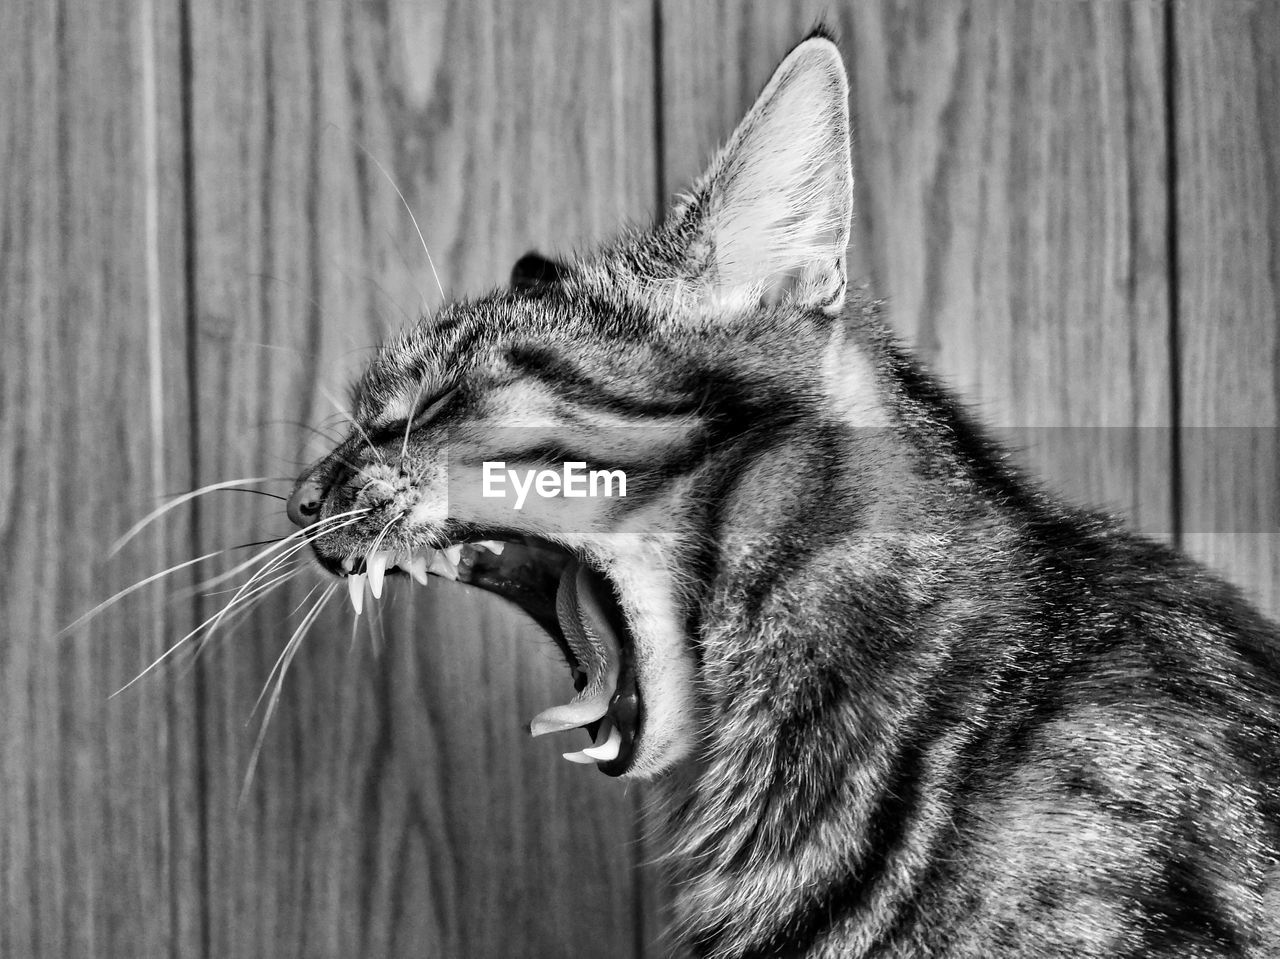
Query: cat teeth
(355,588)
(377,567)
(439,562)
(608,743)
(441,566)
(609,750)
(417,568)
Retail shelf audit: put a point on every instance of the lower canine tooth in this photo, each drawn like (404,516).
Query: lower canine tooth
(355,587)
(608,750)
(579,757)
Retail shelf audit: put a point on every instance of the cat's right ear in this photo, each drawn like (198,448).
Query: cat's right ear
(534,271)
(770,220)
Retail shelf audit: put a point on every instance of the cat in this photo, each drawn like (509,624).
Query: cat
(893,698)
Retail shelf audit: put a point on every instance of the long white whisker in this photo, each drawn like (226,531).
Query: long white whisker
(306,535)
(290,649)
(84,617)
(377,540)
(414,219)
(283,653)
(265,570)
(244,607)
(408,422)
(244,593)
(314,530)
(177,501)
(260,591)
(293,568)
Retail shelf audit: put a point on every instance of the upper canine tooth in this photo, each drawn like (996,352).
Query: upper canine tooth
(417,568)
(377,566)
(355,588)
(442,567)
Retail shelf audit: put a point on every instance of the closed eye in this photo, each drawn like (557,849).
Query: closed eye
(427,410)
(430,408)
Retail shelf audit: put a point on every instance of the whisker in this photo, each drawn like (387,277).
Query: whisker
(359,429)
(260,492)
(423,303)
(261,542)
(106,603)
(266,569)
(283,654)
(293,568)
(306,535)
(286,658)
(246,606)
(377,540)
(262,589)
(409,210)
(408,422)
(317,430)
(177,501)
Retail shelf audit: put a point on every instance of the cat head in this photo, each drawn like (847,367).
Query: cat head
(618,391)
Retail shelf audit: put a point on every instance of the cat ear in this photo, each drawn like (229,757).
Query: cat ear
(773,212)
(533,270)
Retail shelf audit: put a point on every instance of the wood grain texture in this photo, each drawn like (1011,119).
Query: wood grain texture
(1014,212)
(1013,185)
(399,807)
(1228,157)
(97,821)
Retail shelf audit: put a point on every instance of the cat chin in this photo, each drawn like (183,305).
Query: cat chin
(614,618)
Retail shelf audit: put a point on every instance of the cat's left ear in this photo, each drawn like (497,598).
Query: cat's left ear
(773,212)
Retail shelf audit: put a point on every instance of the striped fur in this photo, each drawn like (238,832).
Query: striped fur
(897,701)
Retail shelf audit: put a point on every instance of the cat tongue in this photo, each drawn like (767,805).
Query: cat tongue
(587,632)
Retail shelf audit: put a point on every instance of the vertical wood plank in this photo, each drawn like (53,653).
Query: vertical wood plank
(1228,160)
(1013,200)
(399,808)
(98,815)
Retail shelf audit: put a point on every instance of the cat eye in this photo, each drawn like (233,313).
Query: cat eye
(427,410)
(430,408)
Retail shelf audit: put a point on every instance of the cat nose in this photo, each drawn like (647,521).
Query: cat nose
(304,504)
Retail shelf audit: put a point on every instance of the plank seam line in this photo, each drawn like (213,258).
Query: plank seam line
(1172,253)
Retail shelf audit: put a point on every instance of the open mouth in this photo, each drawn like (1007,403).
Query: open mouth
(562,592)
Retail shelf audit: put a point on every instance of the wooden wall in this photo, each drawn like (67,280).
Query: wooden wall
(1073,206)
